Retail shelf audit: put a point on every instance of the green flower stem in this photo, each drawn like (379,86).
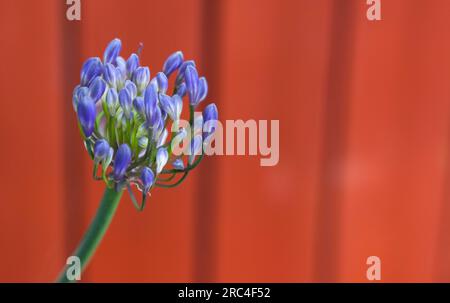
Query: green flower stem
(96,231)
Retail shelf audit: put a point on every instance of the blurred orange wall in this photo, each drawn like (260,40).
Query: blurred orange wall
(364,159)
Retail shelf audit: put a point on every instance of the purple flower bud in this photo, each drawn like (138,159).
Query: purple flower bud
(210,116)
(162,138)
(132,64)
(196,147)
(139,105)
(91,69)
(182,70)
(156,120)
(97,89)
(178,164)
(191,78)
(101,150)
(181,90)
(202,89)
(173,63)
(147,178)
(125,102)
(86,115)
(150,101)
(112,99)
(162,81)
(131,88)
(171,105)
(162,156)
(110,75)
(121,162)
(112,51)
(141,77)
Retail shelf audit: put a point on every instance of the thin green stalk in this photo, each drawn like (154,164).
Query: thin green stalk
(96,230)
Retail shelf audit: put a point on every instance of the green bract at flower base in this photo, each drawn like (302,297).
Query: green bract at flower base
(124,117)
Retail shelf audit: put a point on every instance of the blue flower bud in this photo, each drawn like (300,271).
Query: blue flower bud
(132,64)
(86,115)
(198,124)
(112,51)
(110,75)
(91,69)
(163,82)
(101,150)
(162,138)
(202,89)
(191,78)
(131,88)
(112,99)
(125,102)
(97,89)
(171,105)
(182,70)
(121,162)
(173,63)
(108,159)
(121,64)
(162,156)
(141,77)
(210,116)
(150,101)
(178,164)
(147,178)
(156,121)
(181,90)
(139,105)
(196,147)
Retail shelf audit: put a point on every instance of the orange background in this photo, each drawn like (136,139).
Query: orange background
(364,142)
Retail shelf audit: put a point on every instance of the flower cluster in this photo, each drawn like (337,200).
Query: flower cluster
(124,117)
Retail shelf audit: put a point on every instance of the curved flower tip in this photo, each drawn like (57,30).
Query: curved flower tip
(191,78)
(210,117)
(171,105)
(147,178)
(178,164)
(97,89)
(132,64)
(112,51)
(121,162)
(101,150)
(91,69)
(141,77)
(162,156)
(173,63)
(86,115)
(182,70)
(161,82)
(125,102)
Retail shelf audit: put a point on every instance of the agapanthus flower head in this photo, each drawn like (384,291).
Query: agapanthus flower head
(125,118)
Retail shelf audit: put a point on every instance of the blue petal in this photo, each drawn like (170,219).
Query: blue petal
(97,89)
(162,156)
(191,78)
(112,51)
(163,82)
(147,178)
(86,115)
(101,150)
(92,68)
(132,64)
(121,162)
(110,75)
(173,63)
(202,89)
(182,70)
(141,77)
